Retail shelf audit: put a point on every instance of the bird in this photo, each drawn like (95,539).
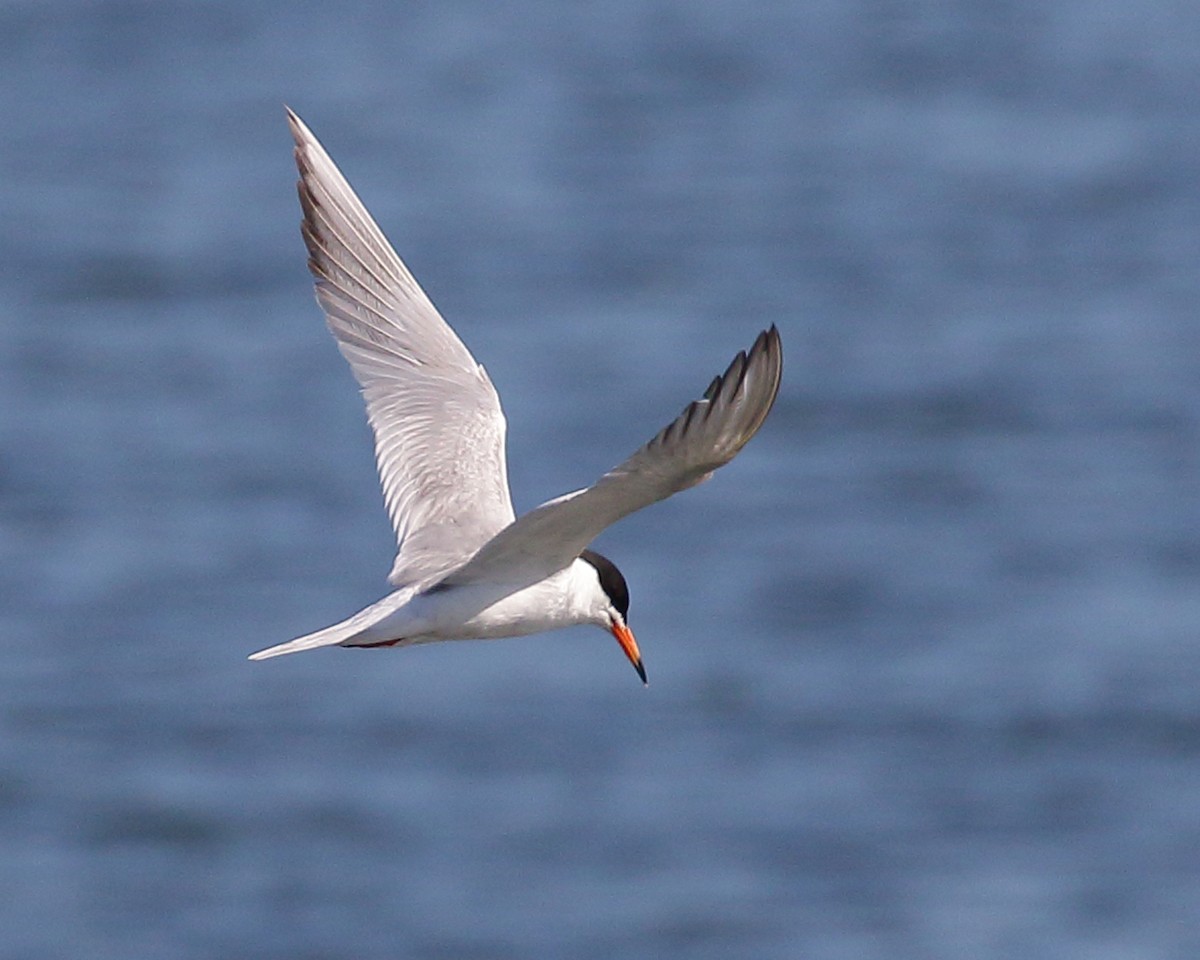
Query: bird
(466,567)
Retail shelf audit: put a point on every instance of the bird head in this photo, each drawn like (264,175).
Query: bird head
(616,607)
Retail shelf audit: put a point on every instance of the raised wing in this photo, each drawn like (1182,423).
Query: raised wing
(439,430)
(708,434)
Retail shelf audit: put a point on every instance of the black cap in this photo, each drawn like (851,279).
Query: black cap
(611,581)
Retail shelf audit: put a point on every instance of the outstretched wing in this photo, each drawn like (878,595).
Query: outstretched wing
(439,430)
(708,434)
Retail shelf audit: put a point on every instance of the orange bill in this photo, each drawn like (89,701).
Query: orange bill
(625,638)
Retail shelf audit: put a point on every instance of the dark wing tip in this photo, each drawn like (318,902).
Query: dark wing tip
(746,392)
(765,357)
(738,400)
(766,363)
(762,365)
(298,128)
(304,143)
(769,345)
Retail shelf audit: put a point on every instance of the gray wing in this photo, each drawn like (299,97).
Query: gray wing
(439,431)
(708,434)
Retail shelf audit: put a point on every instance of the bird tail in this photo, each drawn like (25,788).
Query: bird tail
(349,629)
(357,627)
(328,637)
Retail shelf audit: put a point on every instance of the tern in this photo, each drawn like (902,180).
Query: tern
(466,566)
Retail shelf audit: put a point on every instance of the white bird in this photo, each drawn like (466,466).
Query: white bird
(466,567)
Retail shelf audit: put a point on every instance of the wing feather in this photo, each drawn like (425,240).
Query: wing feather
(439,430)
(706,435)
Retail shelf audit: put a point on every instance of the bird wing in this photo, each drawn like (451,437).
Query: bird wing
(706,435)
(439,430)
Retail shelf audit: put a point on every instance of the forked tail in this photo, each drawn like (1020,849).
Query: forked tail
(356,626)
(330,636)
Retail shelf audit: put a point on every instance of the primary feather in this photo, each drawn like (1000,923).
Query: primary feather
(439,430)
(706,435)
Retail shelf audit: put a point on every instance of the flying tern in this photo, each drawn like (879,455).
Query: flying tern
(467,567)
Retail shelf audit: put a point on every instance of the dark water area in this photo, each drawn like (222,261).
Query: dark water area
(924,664)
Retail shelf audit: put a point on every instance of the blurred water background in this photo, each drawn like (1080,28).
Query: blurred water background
(924,664)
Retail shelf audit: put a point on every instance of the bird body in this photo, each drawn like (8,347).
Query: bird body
(486,610)
(466,567)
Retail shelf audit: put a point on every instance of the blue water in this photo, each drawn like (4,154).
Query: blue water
(924,661)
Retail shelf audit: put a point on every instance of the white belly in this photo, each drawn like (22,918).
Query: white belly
(478,613)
